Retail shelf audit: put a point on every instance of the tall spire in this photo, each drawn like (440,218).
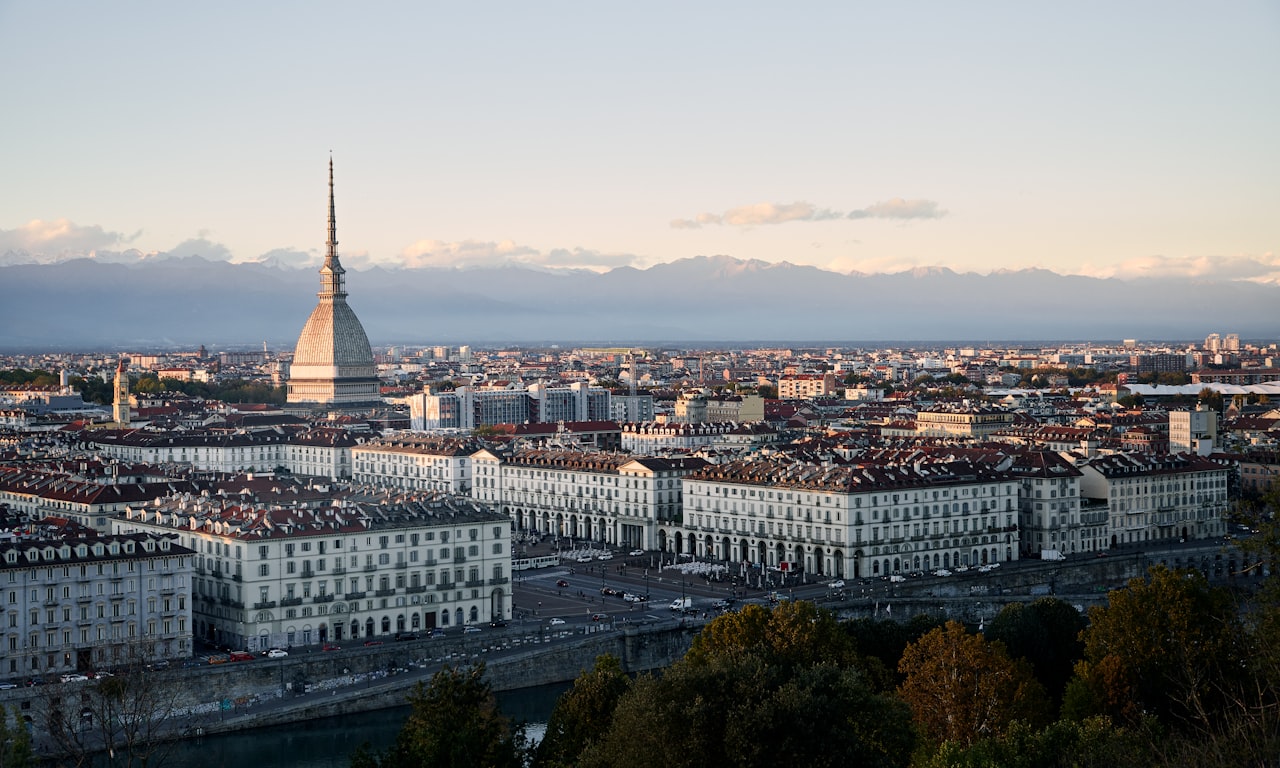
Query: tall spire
(332,255)
(331,273)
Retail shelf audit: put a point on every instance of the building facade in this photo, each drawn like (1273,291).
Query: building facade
(360,568)
(80,604)
(583,497)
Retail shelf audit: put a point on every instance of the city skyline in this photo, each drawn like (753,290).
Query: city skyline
(1101,141)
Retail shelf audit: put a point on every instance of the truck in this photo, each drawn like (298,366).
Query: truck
(682,604)
(1051,554)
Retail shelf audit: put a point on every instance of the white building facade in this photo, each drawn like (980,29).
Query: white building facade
(358,569)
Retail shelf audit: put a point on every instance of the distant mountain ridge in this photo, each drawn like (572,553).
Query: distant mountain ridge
(92,303)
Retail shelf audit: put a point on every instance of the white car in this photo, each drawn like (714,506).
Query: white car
(605,556)
(556,622)
(636,552)
(277,653)
(837,584)
(74,678)
(470,630)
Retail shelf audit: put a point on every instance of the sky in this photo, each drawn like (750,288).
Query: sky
(1132,139)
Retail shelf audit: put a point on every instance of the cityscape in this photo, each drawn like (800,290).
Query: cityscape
(610,386)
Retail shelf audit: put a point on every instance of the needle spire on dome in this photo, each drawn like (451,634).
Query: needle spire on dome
(331,273)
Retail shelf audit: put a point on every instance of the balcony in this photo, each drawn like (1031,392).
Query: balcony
(353,596)
(415,590)
(474,582)
(307,573)
(229,602)
(338,570)
(384,592)
(369,568)
(264,605)
(325,598)
(401,566)
(290,601)
(498,580)
(446,586)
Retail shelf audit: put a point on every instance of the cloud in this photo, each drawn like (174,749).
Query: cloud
(60,238)
(287,257)
(197,246)
(897,208)
(472,253)
(1262,268)
(781,213)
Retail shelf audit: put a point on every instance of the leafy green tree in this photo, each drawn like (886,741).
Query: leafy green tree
(1093,743)
(793,634)
(881,643)
(736,710)
(1047,634)
(767,391)
(454,722)
(1169,645)
(583,713)
(962,687)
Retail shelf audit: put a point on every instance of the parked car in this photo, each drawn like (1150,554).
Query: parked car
(404,636)
(605,556)
(371,643)
(497,623)
(217,658)
(837,584)
(599,617)
(437,632)
(636,552)
(331,647)
(74,677)
(470,630)
(277,653)
(556,622)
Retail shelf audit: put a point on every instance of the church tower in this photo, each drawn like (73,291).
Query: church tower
(120,411)
(333,365)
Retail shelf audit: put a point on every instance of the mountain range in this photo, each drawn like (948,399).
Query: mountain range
(89,304)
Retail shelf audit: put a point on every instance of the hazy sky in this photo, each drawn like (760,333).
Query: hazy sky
(1103,138)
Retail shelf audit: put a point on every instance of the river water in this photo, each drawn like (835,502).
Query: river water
(328,742)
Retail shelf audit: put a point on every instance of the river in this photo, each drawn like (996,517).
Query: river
(329,742)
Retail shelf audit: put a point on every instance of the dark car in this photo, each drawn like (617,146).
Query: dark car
(610,592)
(369,643)
(497,623)
(562,583)
(406,636)
(331,647)
(437,632)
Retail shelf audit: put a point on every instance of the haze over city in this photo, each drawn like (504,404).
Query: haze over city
(1131,140)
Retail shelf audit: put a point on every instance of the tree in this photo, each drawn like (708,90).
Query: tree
(793,634)
(1094,743)
(742,711)
(128,715)
(15,742)
(962,687)
(583,713)
(1168,645)
(453,722)
(767,391)
(1047,634)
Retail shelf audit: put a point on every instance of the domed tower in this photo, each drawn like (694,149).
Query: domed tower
(332,365)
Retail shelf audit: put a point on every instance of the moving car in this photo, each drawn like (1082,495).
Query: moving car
(636,552)
(243,655)
(562,583)
(497,623)
(599,617)
(277,653)
(470,630)
(331,647)
(556,622)
(73,677)
(837,584)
